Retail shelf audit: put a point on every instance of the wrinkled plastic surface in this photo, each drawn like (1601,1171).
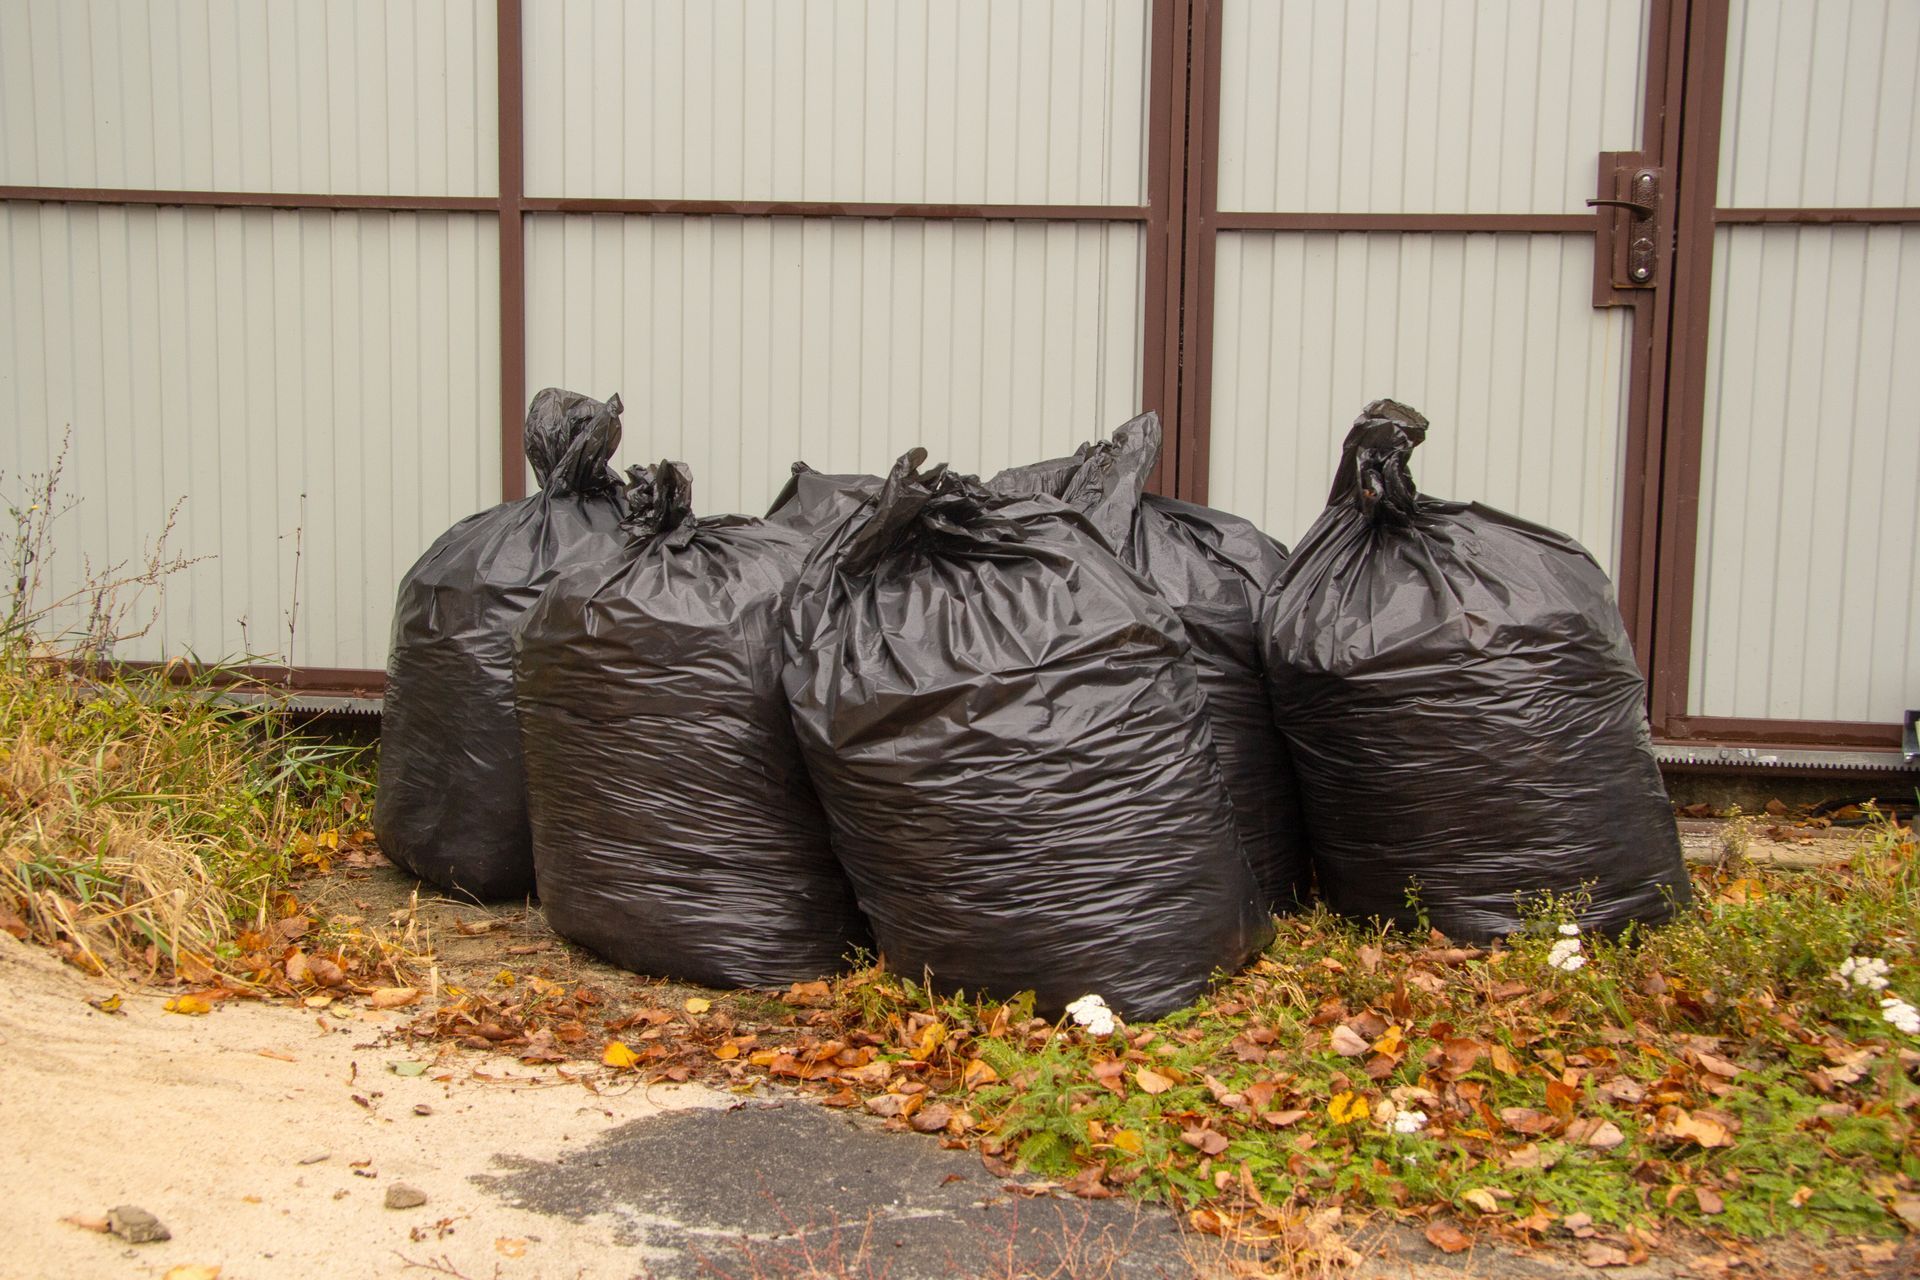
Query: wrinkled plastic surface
(1466,718)
(1010,742)
(813,502)
(674,828)
(451,806)
(1212,568)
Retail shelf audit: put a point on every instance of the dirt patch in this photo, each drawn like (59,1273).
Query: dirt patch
(265,1138)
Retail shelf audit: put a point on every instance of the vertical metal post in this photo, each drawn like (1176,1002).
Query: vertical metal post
(513,256)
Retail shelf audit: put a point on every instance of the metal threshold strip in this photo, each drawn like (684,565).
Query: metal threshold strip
(1710,757)
(1706,757)
(1677,755)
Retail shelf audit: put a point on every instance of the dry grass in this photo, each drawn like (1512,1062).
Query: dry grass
(145,820)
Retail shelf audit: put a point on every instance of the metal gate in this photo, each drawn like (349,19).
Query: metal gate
(1396,199)
(1649,265)
(1789,564)
(1652,267)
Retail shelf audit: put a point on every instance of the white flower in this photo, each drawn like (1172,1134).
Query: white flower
(1902,1015)
(1569,930)
(1409,1121)
(1091,1012)
(1565,955)
(1862,973)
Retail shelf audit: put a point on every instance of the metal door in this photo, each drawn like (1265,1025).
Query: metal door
(1790,540)
(1398,197)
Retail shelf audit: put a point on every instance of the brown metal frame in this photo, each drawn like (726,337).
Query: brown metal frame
(1679,520)
(1205,220)
(1166,175)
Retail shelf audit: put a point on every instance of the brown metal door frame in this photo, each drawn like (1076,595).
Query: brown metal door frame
(1205,220)
(1699,109)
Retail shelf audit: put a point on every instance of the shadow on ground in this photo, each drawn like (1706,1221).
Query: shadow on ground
(790,1189)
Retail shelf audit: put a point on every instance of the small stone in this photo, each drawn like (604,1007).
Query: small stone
(315,1158)
(135,1225)
(422,1109)
(402,1196)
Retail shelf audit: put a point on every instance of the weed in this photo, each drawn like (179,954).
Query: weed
(148,817)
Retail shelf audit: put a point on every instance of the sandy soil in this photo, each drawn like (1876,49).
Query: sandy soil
(207,1122)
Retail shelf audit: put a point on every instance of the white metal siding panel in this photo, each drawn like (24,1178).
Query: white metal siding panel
(921,101)
(1491,336)
(358,97)
(1822,105)
(741,344)
(1807,596)
(1425,106)
(325,375)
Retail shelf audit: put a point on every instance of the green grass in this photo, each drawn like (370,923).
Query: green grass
(1642,1038)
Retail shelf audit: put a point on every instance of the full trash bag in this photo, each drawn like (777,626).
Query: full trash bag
(674,829)
(452,804)
(813,502)
(1466,717)
(1010,743)
(1213,569)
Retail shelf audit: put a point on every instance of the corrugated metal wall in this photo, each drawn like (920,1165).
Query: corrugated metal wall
(1807,583)
(1396,106)
(1425,106)
(1807,592)
(242,359)
(1822,104)
(360,96)
(740,344)
(310,379)
(1001,102)
(1494,337)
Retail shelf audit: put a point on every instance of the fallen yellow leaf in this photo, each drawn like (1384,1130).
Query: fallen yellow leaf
(1482,1199)
(1677,1124)
(931,1039)
(393,997)
(727,1052)
(1347,1107)
(1151,1081)
(192,1271)
(1128,1141)
(978,1073)
(192,1006)
(619,1056)
(510,1247)
(698,1004)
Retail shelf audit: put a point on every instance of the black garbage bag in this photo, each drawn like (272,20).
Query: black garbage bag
(674,829)
(1213,569)
(452,803)
(1010,743)
(813,502)
(1465,714)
